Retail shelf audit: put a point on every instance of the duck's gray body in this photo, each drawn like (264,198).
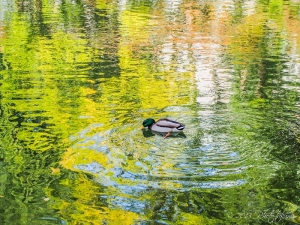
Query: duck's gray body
(166,126)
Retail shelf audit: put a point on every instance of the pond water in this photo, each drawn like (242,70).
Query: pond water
(79,77)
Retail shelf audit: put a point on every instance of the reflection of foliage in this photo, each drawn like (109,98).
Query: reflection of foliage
(68,64)
(59,72)
(76,197)
(247,39)
(24,175)
(266,107)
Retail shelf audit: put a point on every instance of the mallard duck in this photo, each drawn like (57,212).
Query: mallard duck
(164,126)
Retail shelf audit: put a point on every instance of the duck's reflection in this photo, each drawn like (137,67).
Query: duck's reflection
(150,133)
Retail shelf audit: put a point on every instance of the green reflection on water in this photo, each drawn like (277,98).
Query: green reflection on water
(78,78)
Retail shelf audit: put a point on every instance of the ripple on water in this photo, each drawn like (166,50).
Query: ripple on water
(133,166)
(136,163)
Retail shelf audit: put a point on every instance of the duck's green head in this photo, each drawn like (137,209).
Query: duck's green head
(148,122)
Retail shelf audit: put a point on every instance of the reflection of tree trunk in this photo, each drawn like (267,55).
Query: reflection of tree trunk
(262,80)
(238,10)
(90,18)
(25,5)
(38,6)
(44,28)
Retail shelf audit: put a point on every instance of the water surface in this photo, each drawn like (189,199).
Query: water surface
(79,77)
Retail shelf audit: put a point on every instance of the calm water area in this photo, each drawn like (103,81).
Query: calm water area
(78,77)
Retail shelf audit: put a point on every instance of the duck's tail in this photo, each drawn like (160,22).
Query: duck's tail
(180,127)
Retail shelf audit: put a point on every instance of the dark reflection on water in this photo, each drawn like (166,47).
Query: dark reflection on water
(79,77)
(150,133)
